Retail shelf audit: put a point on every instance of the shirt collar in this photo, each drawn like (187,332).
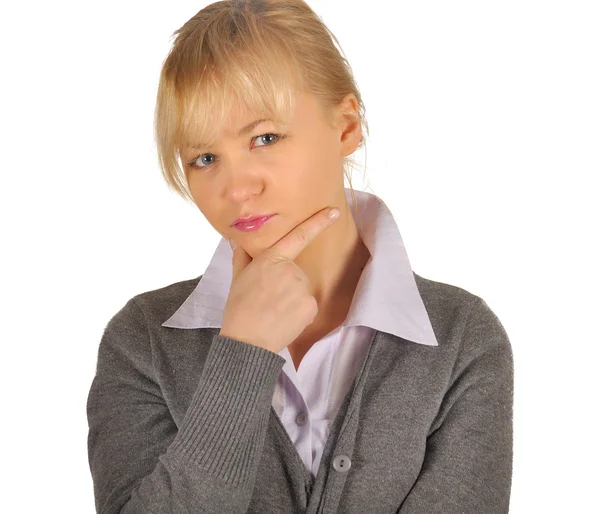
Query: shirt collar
(386,297)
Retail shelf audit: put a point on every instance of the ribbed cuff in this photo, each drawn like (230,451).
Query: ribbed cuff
(226,421)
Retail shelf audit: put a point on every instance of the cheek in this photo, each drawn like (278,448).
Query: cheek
(325,151)
(312,161)
(320,172)
(195,187)
(203,202)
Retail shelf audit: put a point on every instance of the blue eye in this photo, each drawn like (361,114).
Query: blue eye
(193,164)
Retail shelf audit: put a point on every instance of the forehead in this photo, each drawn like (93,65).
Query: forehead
(238,119)
(234,133)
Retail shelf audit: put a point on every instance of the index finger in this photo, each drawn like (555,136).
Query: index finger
(290,246)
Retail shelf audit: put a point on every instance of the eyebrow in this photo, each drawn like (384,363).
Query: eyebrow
(242,131)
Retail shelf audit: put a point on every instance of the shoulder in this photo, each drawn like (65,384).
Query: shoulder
(434,291)
(461,316)
(447,305)
(159,304)
(129,330)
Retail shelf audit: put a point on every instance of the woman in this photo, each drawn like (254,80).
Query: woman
(309,369)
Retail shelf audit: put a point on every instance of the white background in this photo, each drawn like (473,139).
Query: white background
(484,143)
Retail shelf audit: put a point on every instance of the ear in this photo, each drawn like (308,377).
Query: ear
(348,120)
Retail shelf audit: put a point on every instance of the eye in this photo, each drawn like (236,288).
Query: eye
(266,135)
(271,139)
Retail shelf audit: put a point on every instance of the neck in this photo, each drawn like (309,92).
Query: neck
(333,263)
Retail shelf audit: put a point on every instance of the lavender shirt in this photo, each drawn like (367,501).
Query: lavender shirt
(386,299)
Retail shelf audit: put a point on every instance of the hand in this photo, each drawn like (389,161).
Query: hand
(269,304)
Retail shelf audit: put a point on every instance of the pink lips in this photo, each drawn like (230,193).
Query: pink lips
(255,224)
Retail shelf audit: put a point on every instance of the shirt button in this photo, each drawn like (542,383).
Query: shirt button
(342,463)
(301,418)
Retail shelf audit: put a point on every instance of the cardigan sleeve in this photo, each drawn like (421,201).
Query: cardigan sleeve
(140,461)
(467,466)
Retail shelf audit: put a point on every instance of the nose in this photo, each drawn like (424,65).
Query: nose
(243,181)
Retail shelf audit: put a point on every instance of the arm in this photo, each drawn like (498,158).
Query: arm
(467,467)
(140,462)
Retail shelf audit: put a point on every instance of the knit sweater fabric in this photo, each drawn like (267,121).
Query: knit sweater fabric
(181,421)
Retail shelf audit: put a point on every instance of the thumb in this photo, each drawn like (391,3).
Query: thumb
(239,260)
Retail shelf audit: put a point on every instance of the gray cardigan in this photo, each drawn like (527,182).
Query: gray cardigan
(180,421)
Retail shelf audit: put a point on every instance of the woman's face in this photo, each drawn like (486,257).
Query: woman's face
(292,175)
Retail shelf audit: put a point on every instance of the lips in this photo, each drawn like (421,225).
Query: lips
(251,226)
(248,219)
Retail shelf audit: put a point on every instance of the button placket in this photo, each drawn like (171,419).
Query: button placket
(329,486)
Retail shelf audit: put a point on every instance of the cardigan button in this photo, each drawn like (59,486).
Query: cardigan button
(342,463)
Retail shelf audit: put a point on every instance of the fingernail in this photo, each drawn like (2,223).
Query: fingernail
(334,213)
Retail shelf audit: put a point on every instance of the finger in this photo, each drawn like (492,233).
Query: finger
(290,246)
(239,260)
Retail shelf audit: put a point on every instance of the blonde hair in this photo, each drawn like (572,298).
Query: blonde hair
(252,53)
